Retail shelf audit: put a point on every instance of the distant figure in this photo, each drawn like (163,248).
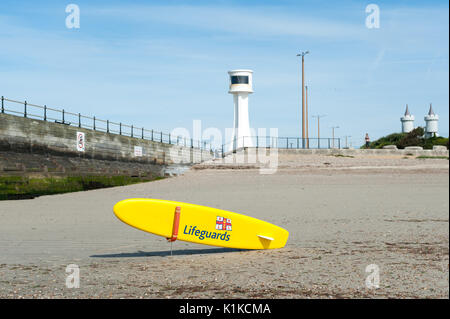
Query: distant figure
(367,138)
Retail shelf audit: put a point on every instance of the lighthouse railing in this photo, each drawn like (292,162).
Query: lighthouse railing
(291,142)
(278,142)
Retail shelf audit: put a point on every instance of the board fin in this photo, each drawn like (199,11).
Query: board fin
(265,237)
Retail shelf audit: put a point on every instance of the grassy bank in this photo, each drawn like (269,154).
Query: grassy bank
(17,187)
(413,138)
(432,157)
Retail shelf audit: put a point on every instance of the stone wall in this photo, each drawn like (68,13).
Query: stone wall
(43,143)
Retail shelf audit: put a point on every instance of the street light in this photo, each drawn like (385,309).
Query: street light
(307,118)
(302,54)
(334,127)
(318,127)
(346,144)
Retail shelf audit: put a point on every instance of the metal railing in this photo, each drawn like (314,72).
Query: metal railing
(61,116)
(281,143)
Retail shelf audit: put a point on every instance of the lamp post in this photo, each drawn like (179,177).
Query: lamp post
(334,127)
(346,144)
(307,118)
(318,127)
(302,54)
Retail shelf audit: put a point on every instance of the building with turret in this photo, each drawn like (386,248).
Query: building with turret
(407,121)
(431,123)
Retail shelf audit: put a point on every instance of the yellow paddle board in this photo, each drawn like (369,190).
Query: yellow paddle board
(200,224)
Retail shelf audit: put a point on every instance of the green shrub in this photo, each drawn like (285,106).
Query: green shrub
(432,157)
(391,139)
(430,142)
(413,138)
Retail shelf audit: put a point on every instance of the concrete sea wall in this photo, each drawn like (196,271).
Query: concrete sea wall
(35,146)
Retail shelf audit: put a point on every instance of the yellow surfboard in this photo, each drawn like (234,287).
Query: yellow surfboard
(200,224)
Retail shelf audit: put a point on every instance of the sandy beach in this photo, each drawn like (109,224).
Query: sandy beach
(342,213)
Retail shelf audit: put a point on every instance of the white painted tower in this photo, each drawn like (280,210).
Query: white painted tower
(241,86)
(431,123)
(407,121)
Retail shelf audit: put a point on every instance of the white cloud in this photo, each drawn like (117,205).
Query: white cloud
(263,21)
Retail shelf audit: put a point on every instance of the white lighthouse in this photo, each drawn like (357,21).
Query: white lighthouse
(241,86)
(407,121)
(431,123)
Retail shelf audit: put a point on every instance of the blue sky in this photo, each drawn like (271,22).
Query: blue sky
(163,64)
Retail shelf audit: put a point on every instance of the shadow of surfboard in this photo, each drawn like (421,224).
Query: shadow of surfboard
(164,253)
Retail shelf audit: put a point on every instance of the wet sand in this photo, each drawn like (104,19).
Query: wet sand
(341,216)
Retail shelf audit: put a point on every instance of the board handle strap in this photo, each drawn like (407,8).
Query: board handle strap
(176,224)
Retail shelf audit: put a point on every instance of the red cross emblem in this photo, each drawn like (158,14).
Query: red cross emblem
(223,223)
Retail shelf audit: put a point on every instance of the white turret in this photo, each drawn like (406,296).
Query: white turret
(431,120)
(241,87)
(407,121)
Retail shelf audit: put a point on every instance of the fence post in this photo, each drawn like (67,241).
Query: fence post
(131,130)
(107,126)
(45,112)
(142,133)
(152,135)
(339,143)
(318,143)
(223,153)
(328,143)
(79,119)
(3,106)
(25,109)
(94,123)
(161,137)
(192,143)
(63,116)
(120,128)
(169,138)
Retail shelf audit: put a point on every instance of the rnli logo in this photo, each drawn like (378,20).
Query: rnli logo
(223,223)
